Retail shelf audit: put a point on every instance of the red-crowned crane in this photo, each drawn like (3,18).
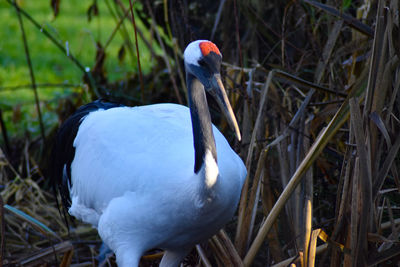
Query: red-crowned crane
(156,176)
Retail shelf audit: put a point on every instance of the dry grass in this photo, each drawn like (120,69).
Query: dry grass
(315,90)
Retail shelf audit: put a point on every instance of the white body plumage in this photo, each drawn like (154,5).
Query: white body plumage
(121,186)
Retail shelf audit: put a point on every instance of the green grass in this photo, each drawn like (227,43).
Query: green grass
(72,28)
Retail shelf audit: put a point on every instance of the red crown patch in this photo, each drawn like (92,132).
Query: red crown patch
(207,47)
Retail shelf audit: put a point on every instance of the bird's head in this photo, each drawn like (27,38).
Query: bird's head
(203,60)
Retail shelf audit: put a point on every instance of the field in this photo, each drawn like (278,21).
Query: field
(314,86)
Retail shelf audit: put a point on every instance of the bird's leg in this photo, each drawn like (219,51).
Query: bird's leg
(118,230)
(172,258)
(104,253)
(126,258)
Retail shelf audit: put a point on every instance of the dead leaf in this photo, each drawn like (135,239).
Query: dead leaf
(93,10)
(121,53)
(55,5)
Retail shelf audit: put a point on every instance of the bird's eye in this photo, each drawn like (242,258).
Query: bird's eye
(202,63)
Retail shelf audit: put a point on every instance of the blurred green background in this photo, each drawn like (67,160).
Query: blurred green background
(56,76)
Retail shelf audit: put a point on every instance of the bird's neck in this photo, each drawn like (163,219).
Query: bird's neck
(203,137)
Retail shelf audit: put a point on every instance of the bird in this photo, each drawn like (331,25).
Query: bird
(153,176)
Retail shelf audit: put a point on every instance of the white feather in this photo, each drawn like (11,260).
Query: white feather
(211,170)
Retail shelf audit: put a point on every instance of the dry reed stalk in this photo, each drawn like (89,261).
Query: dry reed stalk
(44,254)
(326,134)
(203,256)
(308,210)
(365,185)
(243,221)
(359,26)
(285,263)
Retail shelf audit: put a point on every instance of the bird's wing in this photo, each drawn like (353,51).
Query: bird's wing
(127,149)
(63,150)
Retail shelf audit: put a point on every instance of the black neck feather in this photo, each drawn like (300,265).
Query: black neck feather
(203,136)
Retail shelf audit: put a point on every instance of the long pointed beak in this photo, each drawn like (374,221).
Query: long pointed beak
(218,92)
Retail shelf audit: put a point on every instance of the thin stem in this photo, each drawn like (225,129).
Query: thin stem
(3,230)
(217,18)
(137,49)
(38,85)
(119,19)
(171,76)
(119,23)
(175,48)
(59,45)
(32,75)
(4,133)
